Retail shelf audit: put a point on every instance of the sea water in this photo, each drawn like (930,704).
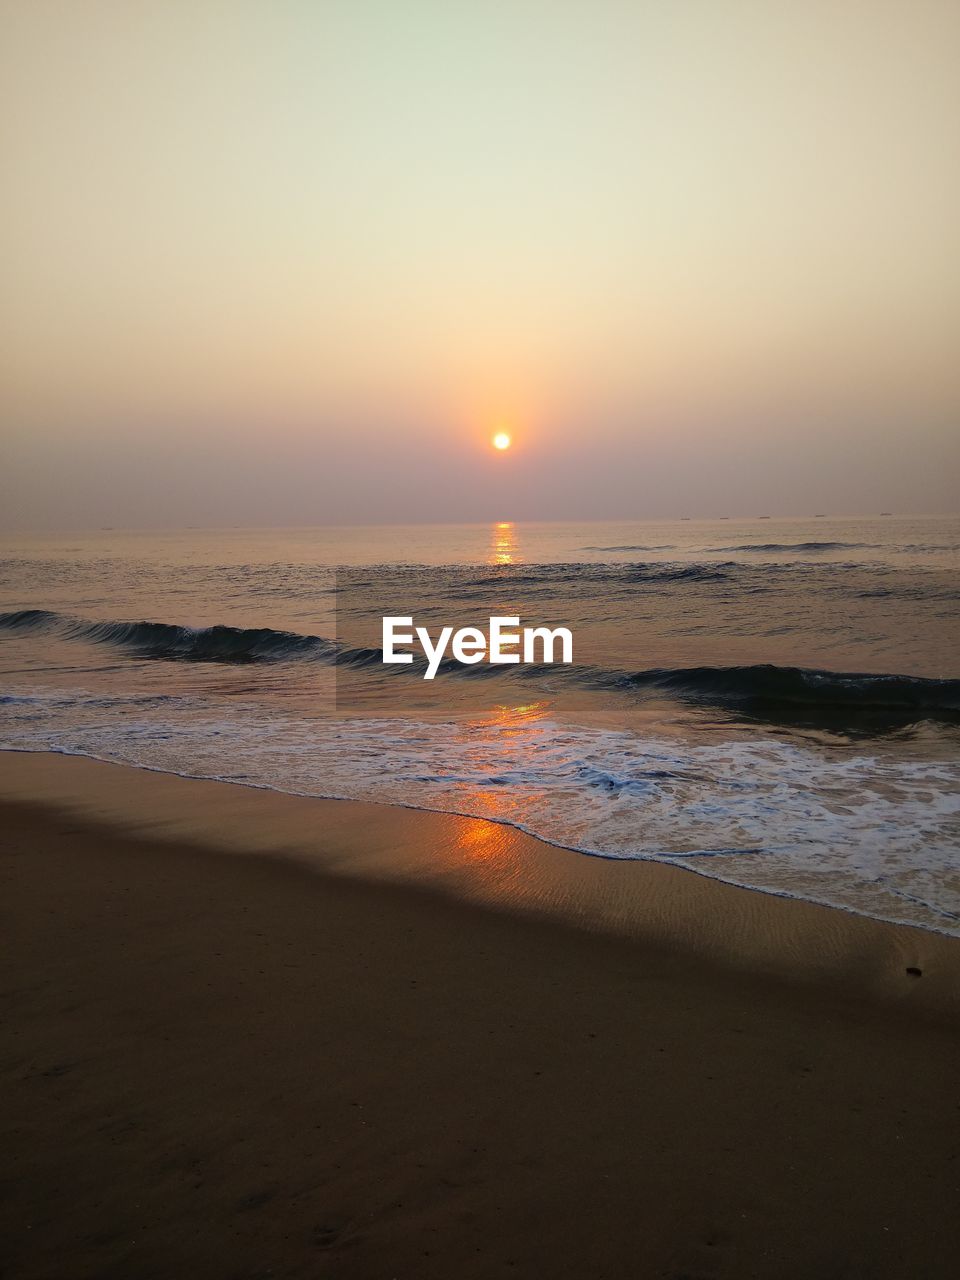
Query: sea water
(775,703)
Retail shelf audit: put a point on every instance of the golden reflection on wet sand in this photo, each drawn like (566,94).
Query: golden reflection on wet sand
(489,844)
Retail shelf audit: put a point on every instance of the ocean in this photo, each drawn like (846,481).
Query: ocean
(774,703)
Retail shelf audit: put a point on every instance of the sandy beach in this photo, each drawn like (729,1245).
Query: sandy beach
(291,1064)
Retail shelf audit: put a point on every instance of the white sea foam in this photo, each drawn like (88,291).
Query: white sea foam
(859,830)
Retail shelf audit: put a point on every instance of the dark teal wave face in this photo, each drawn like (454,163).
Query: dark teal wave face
(853,702)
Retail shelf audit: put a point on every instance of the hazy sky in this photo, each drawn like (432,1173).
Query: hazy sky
(294,261)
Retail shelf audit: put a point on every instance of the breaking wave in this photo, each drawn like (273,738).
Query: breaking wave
(764,690)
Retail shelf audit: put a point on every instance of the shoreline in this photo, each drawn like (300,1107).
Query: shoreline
(497,866)
(690,867)
(273,1047)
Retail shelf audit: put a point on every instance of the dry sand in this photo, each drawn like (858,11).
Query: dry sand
(419,1046)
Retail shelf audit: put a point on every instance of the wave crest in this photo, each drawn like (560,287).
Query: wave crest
(764,690)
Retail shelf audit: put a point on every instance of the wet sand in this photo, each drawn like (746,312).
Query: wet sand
(393,1044)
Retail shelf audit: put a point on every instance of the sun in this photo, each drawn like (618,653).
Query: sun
(501,440)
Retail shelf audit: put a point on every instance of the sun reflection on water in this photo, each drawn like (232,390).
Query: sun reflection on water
(504,544)
(514,718)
